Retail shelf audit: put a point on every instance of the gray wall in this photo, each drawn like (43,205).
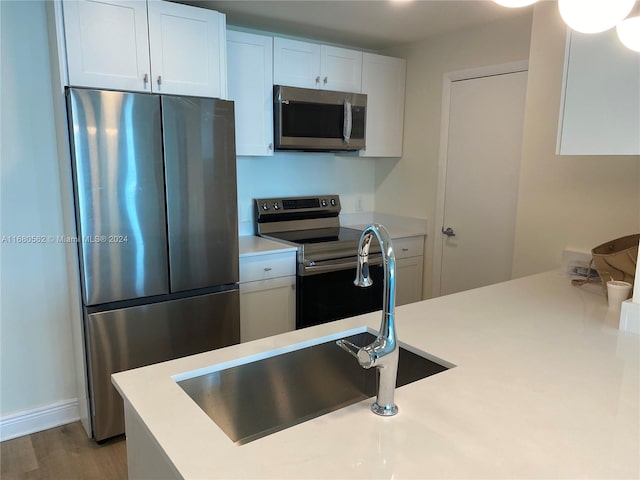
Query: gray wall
(565,201)
(36,358)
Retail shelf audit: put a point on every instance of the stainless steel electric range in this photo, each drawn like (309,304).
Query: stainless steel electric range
(326,257)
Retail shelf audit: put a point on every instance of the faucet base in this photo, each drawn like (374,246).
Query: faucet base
(384,410)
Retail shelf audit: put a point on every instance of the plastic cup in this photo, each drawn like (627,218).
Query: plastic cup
(617,292)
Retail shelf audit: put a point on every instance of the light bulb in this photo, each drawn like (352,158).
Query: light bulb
(593,16)
(515,3)
(629,33)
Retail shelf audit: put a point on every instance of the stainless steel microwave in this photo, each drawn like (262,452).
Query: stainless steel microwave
(318,120)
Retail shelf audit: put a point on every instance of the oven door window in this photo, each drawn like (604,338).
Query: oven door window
(331,296)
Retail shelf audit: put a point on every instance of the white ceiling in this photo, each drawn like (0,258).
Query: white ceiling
(367,24)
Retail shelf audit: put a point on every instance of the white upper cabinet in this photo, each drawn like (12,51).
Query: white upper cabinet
(107,44)
(188,50)
(152,46)
(383,80)
(250,70)
(296,64)
(341,69)
(601,97)
(308,65)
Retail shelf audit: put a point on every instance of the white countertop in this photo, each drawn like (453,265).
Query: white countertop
(250,245)
(397,225)
(545,386)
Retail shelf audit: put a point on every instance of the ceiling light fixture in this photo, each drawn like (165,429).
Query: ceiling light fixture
(594,16)
(515,3)
(629,33)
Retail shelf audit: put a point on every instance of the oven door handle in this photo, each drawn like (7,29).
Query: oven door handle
(310,267)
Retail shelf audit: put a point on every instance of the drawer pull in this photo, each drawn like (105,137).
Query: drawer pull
(405,249)
(267,269)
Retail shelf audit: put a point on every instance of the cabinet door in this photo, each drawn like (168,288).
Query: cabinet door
(341,69)
(383,80)
(107,44)
(250,71)
(601,104)
(296,64)
(188,50)
(267,308)
(409,280)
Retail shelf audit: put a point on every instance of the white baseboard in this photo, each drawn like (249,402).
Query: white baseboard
(38,419)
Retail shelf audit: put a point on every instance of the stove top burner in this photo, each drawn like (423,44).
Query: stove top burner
(319,235)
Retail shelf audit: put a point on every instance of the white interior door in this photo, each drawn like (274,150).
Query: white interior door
(482,175)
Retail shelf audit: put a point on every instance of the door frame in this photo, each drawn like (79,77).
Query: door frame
(447,81)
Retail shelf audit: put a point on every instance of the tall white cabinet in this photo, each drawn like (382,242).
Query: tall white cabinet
(601,97)
(153,46)
(250,70)
(383,80)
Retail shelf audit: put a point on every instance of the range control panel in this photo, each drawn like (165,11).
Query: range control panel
(281,208)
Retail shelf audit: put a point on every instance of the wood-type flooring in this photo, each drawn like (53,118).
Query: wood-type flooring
(63,453)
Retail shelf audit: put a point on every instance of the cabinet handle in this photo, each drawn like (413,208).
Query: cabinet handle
(267,269)
(159,79)
(146,78)
(405,249)
(325,80)
(318,79)
(271,146)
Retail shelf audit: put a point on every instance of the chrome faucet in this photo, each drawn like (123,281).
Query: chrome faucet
(383,352)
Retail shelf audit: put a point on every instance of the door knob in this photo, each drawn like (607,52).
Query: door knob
(448,232)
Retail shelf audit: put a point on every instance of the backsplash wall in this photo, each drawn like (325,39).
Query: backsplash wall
(302,173)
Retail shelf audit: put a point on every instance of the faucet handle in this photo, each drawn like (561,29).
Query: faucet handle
(347,346)
(365,359)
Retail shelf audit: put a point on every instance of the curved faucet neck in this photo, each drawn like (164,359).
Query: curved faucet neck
(384,352)
(387,326)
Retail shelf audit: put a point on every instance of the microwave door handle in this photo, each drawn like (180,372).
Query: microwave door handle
(348,122)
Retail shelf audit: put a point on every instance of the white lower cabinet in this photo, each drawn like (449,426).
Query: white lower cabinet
(409,267)
(267,295)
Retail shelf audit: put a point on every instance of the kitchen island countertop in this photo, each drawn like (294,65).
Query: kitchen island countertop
(545,386)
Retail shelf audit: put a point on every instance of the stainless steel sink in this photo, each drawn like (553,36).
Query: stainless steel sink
(256,399)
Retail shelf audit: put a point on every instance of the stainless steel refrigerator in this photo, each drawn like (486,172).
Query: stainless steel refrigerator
(156,213)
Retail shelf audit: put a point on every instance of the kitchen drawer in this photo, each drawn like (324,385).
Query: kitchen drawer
(409,247)
(264,267)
